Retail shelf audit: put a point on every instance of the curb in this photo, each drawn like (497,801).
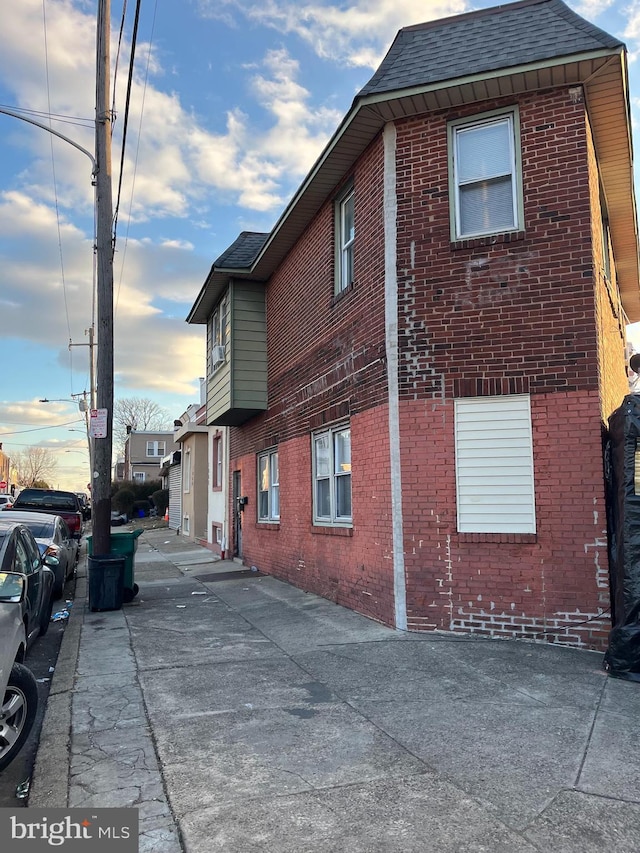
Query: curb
(49,786)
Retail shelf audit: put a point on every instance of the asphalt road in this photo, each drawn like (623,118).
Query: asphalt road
(42,655)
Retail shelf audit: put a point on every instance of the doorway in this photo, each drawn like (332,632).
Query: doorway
(237,514)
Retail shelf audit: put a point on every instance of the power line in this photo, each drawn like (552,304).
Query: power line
(135,162)
(38,429)
(75,120)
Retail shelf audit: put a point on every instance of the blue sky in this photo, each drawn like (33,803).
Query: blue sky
(232,102)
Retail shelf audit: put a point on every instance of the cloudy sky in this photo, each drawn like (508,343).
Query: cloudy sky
(231,103)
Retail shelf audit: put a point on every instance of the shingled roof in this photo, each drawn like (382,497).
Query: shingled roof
(242,252)
(486,40)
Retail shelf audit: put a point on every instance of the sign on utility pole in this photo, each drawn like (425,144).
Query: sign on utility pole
(101,486)
(98,427)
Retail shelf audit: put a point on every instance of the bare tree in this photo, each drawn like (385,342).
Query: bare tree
(34,466)
(139,413)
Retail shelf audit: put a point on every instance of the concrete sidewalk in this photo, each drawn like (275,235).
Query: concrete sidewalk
(239,714)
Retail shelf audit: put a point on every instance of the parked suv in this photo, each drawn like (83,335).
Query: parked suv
(54,502)
(18,688)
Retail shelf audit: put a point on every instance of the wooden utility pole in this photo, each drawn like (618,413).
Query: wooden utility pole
(101,474)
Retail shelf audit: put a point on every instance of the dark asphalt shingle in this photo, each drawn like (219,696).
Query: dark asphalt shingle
(485,41)
(242,252)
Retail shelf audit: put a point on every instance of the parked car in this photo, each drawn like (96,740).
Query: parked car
(19,553)
(55,502)
(54,539)
(18,687)
(5,501)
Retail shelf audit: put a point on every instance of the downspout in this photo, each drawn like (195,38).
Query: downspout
(390,210)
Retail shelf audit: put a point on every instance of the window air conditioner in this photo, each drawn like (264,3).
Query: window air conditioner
(217,356)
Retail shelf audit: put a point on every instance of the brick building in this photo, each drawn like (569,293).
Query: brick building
(418,362)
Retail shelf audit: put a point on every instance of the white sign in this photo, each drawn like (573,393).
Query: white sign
(98,423)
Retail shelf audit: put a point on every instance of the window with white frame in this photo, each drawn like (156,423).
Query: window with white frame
(494,465)
(332,476)
(485,175)
(218,335)
(268,486)
(138,476)
(345,238)
(156,448)
(216,481)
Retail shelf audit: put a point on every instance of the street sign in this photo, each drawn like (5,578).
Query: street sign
(98,423)
(3,484)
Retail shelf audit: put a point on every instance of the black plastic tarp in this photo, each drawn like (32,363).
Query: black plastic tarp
(622,658)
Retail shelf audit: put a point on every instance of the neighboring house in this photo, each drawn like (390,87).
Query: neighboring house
(204,478)
(143,453)
(118,471)
(417,364)
(7,474)
(191,436)
(171,479)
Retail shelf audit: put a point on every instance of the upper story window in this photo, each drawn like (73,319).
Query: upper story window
(345,237)
(156,448)
(332,477)
(268,486)
(218,335)
(485,175)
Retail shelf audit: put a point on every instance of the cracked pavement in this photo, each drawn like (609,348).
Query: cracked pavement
(256,717)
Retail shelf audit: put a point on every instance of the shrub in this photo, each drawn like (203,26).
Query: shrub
(141,509)
(124,500)
(160,500)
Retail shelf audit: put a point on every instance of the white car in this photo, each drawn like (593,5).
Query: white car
(18,687)
(5,501)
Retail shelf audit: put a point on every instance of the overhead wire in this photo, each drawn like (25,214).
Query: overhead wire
(134,41)
(59,117)
(39,429)
(135,162)
(55,184)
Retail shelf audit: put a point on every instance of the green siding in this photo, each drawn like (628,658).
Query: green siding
(238,388)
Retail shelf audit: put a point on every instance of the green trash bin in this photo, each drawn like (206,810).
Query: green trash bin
(124,544)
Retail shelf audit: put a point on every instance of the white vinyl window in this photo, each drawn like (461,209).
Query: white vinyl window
(485,176)
(268,486)
(138,476)
(332,477)
(345,238)
(218,323)
(156,448)
(494,465)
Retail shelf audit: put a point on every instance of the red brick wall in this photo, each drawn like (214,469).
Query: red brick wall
(488,309)
(550,585)
(352,567)
(511,314)
(610,321)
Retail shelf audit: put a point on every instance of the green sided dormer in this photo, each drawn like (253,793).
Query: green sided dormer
(232,306)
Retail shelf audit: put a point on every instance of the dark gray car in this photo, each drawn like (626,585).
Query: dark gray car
(19,553)
(54,539)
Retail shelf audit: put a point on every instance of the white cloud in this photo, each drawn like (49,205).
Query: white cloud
(590,9)
(357,34)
